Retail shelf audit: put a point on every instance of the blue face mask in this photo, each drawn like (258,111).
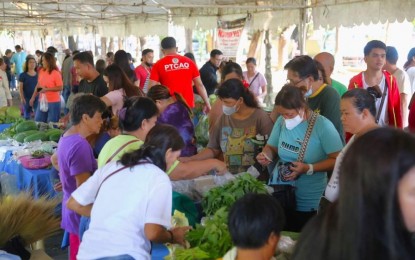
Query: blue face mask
(228,110)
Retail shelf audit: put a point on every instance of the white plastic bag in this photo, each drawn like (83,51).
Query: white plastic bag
(43,103)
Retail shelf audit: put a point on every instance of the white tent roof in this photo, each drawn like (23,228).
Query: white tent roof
(143,17)
(356,12)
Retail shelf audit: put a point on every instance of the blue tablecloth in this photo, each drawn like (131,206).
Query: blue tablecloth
(4,126)
(39,182)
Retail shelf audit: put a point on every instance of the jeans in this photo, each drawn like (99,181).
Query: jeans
(52,115)
(65,94)
(117,257)
(27,109)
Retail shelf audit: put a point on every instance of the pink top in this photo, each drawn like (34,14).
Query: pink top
(255,82)
(117,100)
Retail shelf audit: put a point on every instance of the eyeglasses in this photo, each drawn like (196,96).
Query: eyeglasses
(290,81)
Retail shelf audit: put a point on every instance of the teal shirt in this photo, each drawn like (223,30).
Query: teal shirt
(339,87)
(18,59)
(324,140)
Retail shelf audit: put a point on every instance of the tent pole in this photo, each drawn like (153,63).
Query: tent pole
(302,29)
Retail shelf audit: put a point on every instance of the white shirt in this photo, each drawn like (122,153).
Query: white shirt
(4,89)
(332,189)
(383,119)
(125,203)
(402,79)
(411,74)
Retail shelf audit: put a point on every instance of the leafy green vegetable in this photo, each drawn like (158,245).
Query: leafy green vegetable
(38,154)
(213,237)
(188,254)
(227,194)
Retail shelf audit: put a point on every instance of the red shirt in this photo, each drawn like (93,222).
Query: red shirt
(142,73)
(177,73)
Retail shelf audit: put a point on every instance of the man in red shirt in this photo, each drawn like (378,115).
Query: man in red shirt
(388,110)
(143,71)
(177,73)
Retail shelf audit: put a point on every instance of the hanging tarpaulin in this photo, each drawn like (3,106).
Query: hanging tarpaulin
(228,36)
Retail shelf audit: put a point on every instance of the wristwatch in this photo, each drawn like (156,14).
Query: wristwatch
(310,169)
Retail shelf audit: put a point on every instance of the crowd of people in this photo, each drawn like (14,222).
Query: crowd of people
(339,160)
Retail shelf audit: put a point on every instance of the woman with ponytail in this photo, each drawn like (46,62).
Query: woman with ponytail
(358,111)
(241,120)
(136,119)
(119,87)
(130,201)
(175,111)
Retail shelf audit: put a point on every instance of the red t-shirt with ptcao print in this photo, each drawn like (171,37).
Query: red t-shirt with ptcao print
(177,73)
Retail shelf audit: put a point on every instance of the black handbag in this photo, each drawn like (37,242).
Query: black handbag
(285,194)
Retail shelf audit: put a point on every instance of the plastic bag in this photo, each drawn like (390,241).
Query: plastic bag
(43,103)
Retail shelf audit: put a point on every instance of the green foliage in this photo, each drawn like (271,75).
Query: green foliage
(188,254)
(212,238)
(226,195)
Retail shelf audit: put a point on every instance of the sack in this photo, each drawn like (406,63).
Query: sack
(285,194)
(43,103)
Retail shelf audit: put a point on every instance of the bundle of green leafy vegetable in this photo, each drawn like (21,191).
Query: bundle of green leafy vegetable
(226,195)
(209,241)
(212,239)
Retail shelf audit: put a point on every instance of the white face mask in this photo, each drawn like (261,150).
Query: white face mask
(228,110)
(293,122)
(308,93)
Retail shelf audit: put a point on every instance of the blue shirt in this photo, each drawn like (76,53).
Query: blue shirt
(18,59)
(29,84)
(324,140)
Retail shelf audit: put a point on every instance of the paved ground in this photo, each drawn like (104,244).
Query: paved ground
(53,247)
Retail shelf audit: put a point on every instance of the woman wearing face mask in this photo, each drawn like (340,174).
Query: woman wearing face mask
(304,72)
(231,70)
(309,176)
(242,120)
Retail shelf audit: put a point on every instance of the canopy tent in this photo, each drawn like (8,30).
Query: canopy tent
(125,17)
(355,12)
(144,17)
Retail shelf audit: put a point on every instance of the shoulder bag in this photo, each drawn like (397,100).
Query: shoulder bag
(285,194)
